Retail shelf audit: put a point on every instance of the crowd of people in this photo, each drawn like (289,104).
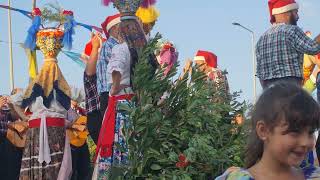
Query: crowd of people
(44,128)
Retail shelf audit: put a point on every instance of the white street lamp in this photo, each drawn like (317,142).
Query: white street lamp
(253,59)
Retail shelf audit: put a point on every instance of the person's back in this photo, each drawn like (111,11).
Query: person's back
(276,53)
(280,50)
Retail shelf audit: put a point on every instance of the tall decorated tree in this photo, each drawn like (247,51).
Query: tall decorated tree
(189,134)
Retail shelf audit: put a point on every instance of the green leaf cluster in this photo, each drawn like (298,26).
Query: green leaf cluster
(52,13)
(194,119)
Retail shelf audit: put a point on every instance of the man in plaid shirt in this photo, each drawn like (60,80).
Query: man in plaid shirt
(10,155)
(90,87)
(280,50)
(4,118)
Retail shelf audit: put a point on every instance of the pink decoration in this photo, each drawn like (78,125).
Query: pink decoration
(106,2)
(65,12)
(147,3)
(36,12)
(168,56)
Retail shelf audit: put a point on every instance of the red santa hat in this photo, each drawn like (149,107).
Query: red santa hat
(109,23)
(88,48)
(281,6)
(210,58)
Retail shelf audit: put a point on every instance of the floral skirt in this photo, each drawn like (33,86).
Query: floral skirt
(31,169)
(119,158)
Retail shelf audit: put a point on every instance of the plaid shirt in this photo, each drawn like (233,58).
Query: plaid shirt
(90,88)
(4,118)
(280,52)
(104,56)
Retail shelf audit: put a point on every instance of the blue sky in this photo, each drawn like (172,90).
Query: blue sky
(191,25)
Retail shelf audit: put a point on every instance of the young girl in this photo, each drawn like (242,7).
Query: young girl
(282,133)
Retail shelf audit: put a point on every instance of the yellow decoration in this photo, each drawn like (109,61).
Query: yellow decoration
(308,66)
(49,42)
(309,86)
(33,66)
(48,75)
(148,15)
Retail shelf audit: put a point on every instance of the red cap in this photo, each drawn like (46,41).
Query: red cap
(36,12)
(88,48)
(281,6)
(109,23)
(210,58)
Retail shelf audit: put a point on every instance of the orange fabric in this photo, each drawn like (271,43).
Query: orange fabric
(307,71)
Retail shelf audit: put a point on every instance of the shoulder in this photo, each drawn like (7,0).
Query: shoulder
(111,41)
(293,30)
(235,173)
(123,47)
(311,172)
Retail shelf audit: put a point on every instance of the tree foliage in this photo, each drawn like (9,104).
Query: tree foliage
(187,135)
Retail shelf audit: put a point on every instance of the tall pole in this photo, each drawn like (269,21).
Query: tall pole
(253,60)
(10,47)
(254,69)
(34,4)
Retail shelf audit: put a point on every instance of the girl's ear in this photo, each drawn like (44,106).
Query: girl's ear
(262,130)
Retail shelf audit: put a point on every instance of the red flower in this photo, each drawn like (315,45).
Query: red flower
(65,12)
(182,158)
(183,162)
(36,12)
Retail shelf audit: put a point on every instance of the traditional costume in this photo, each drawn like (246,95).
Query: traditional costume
(47,152)
(112,150)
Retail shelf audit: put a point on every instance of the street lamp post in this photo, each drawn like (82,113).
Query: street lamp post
(253,59)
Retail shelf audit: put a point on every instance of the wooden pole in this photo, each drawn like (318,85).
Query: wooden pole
(10,48)
(34,4)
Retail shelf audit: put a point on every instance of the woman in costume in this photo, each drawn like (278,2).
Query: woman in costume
(112,150)
(47,152)
(115,122)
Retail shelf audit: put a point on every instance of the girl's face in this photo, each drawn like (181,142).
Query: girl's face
(288,148)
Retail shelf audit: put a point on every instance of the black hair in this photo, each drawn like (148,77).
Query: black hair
(280,102)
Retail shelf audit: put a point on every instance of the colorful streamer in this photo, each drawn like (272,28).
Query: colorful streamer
(90,27)
(26,13)
(76,57)
(33,66)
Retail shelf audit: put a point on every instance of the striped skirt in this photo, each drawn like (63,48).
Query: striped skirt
(31,169)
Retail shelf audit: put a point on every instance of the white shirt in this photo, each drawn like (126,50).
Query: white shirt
(120,61)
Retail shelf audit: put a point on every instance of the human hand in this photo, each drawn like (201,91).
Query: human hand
(4,102)
(114,90)
(96,41)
